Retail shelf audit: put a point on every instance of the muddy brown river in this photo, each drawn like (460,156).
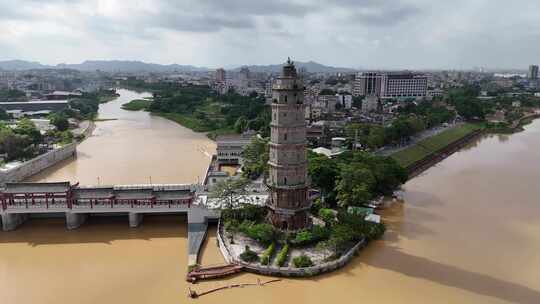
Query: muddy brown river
(468,232)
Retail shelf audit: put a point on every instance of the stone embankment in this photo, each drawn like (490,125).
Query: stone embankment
(287,271)
(37,164)
(46,160)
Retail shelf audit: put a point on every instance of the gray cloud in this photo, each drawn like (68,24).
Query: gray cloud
(201,23)
(261,8)
(389,16)
(368,33)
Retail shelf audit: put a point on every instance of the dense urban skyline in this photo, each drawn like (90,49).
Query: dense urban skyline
(397,34)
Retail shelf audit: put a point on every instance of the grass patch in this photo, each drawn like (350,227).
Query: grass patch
(136,105)
(426,147)
(186,121)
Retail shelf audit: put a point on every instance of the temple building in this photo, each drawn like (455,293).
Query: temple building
(288,202)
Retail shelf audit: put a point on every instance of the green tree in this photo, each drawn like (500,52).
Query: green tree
(4,115)
(240,124)
(323,172)
(256,158)
(228,191)
(355,185)
(60,122)
(26,127)
(328,216)
(16,146)
(327,92)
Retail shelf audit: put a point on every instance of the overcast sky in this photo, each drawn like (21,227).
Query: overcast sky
(352,33)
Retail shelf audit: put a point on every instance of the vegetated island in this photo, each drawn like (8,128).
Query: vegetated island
(137,105)
(200,109)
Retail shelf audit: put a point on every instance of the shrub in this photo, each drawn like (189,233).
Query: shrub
(263,233)
(308,237)
(246,212)
(267,254)
(282,255)
(249,255)
(327,215)
(375,231)
(302,261)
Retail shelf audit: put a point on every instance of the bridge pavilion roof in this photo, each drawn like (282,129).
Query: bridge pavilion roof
(172,195)
(133,194)
(55,187)
(93,193)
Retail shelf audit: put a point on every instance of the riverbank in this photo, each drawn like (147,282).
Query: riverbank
(430,151)
(428,147)
(85,130)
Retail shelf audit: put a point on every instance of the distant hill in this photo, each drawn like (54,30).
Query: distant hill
(129,66)
(102,65)
(21,65)
(310,66)
(139,66)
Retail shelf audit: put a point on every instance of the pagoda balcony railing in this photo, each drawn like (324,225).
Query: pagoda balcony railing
(289,211)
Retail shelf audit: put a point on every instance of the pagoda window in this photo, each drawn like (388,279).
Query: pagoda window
(285,98)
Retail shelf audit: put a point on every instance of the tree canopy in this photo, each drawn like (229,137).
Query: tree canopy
(256,158)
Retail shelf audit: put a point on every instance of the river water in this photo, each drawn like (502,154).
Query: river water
(468,232)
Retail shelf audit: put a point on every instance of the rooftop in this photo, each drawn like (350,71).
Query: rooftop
(57,187)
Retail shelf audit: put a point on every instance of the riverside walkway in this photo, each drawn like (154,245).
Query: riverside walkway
(19,201)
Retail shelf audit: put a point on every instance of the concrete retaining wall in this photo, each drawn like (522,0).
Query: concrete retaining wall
(37,164)
(289,271)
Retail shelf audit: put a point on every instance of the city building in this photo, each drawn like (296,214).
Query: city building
(345,101)
(391,85)
(288,202)
(533,72)
(370,104)
(230,148)
(327,103)
(367,84)
(404,85)
(36,107)
(62,95)
(221,75)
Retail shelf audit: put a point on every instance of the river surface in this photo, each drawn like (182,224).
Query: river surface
(135,148)
(468,232)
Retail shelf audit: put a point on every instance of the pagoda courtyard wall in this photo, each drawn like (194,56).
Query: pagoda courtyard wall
(288,271)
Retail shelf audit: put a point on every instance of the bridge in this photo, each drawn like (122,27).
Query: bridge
(20,200)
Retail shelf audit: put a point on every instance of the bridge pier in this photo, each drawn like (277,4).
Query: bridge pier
(10,221)
(135,219)
(75,220)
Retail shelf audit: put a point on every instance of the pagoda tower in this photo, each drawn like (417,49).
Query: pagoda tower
(288,202)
